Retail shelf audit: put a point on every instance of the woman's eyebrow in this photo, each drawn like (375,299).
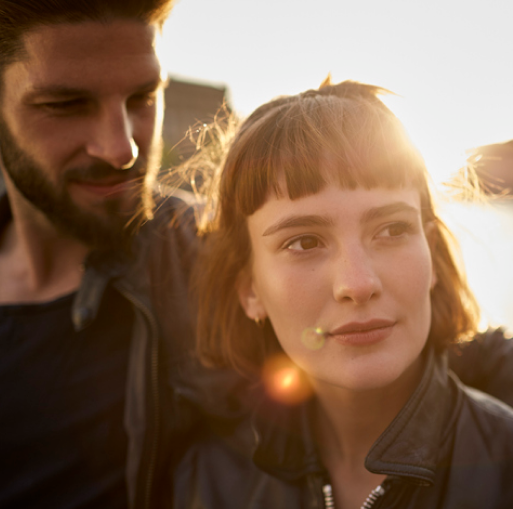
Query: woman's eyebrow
(298,221)
(317,220)
(387,210)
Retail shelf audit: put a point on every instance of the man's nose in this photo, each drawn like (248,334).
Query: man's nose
(355,276)
(112,140)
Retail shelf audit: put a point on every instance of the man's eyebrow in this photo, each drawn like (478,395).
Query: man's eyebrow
(55,91)
(388,210)
(153,84)
(298,221)
(62,91)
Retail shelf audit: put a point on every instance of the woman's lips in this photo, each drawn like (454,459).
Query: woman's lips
(362,333)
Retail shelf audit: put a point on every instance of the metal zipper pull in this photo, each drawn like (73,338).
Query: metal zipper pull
(329,503)
(373,496)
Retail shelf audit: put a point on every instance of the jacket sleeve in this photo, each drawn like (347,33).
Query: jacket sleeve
(486,363)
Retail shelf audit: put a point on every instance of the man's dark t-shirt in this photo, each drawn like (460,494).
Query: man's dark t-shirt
(62,395)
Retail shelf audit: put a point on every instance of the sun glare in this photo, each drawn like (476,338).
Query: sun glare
(485,234)
(284,381)
(447,63)
(484,231)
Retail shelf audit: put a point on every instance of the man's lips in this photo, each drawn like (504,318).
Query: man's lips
(363,333)
(107,187)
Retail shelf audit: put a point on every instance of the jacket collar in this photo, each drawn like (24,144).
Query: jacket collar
(5,211)
(408,448)
(127,270)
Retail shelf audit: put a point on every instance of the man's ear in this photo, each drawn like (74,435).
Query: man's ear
(249,298)
(432,232)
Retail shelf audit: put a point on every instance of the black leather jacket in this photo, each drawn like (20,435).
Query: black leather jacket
(486,363)
(450,447)
(161,367)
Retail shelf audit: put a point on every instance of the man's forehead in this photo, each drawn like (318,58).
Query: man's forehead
(90,36)
(90,51)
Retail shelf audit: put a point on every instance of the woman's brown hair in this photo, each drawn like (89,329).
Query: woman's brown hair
(342,132)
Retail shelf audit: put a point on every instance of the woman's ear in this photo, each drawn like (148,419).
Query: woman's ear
(249,298)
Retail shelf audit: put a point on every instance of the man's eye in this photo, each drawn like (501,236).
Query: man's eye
(145,99)
(304,243)
(65,106)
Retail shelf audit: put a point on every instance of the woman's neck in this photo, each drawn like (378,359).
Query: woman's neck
(347,425)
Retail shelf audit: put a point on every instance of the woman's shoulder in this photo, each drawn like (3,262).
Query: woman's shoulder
(480,408)
(486,363)
(477,451)
(484,429)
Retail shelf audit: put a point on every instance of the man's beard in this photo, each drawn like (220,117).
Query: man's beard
(113,228)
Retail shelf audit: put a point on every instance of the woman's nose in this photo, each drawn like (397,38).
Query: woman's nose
(355,277)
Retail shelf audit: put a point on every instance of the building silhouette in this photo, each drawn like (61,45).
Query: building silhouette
(188,105)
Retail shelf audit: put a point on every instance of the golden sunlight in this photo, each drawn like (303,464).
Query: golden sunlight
(485,234)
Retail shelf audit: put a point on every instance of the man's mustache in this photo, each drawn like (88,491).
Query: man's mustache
(104,171)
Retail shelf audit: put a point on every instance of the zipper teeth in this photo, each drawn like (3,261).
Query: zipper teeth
(155,392)
(329,502)
(327,491)
(373,496)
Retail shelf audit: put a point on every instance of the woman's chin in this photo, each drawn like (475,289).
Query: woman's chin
(370,375)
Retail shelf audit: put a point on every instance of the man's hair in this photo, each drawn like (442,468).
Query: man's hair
(342,133)
(19,16)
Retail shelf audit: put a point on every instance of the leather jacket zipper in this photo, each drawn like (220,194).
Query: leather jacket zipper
(329,502)
(327,491)
(377,492)
(155,393)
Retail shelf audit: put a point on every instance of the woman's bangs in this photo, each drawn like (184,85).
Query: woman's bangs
(325,141)
(274,154)
(371,149)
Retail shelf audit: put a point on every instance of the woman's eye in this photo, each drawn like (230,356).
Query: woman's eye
(396,229)
(304,243)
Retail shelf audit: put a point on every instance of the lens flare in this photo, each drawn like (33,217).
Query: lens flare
(313,338)
(284,381)
(287,380)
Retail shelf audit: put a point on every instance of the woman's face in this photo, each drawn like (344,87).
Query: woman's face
(355,264)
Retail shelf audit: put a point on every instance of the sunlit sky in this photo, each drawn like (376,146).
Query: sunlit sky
(449,60)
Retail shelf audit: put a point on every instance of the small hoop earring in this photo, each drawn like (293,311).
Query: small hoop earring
(260,322)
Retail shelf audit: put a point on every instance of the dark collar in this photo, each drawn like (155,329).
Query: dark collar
(408,448)
(5,211)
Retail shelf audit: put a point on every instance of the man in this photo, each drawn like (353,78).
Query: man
(83,397)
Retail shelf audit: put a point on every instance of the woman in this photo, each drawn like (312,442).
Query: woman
(328,275)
